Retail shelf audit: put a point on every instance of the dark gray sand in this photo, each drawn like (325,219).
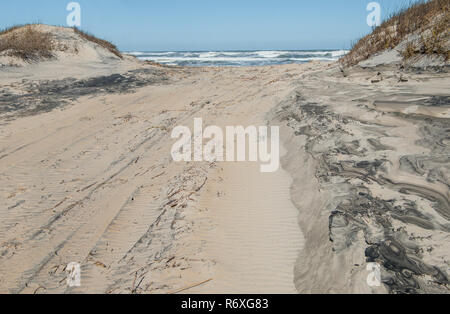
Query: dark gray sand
(44,96)
(382,162)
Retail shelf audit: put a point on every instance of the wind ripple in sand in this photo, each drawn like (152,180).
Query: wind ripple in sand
(93,183)
(254,238)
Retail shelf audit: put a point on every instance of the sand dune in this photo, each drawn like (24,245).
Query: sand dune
(87,176)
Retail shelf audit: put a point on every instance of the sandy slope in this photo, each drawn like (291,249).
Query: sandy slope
(370,158)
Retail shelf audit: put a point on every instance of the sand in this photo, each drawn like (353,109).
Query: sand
(371,179)
(90,180)
(87,176)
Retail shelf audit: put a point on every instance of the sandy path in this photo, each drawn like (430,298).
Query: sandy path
(94,184)
(254,237)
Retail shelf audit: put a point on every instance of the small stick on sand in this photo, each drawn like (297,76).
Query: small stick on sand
(190,287)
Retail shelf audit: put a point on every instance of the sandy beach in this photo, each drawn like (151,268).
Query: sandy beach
(86,176)
(92,181)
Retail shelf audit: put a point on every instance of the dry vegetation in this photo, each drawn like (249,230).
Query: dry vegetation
(31,44)
(429,18)
(26,43)
(103,43)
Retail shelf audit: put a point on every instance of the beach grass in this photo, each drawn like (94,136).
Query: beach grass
(30,43)
(26,42)
(101,42)
(429,18)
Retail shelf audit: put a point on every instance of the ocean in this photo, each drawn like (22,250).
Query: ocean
(238,58)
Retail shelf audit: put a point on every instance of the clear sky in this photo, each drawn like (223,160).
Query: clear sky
(158,25)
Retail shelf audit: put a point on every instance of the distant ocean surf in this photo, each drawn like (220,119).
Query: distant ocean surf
(238,58)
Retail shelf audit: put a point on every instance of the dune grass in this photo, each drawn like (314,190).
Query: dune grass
(26,43)
(431,18)
(31,44)
(101,42)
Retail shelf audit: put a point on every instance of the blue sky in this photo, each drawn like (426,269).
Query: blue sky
(208,24)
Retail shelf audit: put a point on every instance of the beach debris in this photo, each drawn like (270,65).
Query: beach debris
(378,78)
(191,286)
(402,79)
(134,287)
(100,264)
(343,71)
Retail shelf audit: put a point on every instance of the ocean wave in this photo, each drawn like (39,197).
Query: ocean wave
(339,53)
(238,58)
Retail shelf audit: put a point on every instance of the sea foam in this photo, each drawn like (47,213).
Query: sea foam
(238,58)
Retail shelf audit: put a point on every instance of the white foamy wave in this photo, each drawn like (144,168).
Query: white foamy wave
(214,54)
(270,54)
(239,58)
(339,53)
(136,53)
(218,59)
